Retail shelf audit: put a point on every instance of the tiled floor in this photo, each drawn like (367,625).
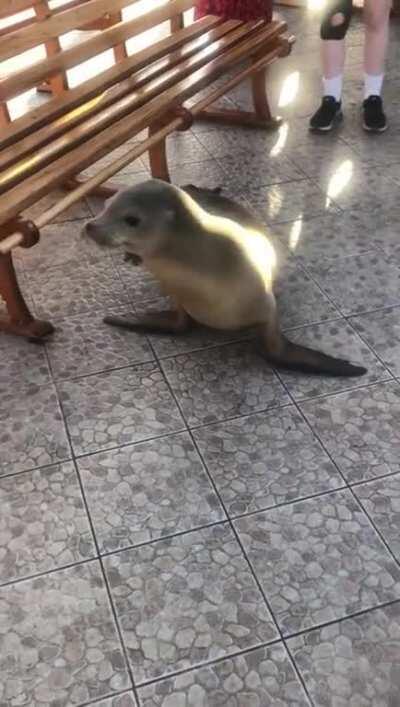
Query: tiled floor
(182,526)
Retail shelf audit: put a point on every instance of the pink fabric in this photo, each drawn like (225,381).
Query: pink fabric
(245,10)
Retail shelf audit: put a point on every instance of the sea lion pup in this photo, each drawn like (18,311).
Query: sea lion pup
(219,271)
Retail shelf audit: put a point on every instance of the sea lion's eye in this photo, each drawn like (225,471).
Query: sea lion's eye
(132,221)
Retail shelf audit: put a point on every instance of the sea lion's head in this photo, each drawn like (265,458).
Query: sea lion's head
(138,219)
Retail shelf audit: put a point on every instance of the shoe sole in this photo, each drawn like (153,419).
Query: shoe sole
(335,122)
(374,130)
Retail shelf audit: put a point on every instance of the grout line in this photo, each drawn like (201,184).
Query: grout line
(238,540)
(45,573)
(102,568)
(340,620)
(348,486)
(109,696)
(211,662)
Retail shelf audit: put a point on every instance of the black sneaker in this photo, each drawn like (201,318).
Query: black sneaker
(328,114)
(374,117)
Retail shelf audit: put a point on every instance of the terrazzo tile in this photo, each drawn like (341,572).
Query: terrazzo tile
(147,491)
(139,165)
(360,429)
(264,460)
(257,170)
(186,600)
(58,643)
(22,362)
(291,201)
(360,284)
(352,186)
(261,678)
(43,522)
(236,140)
(354,663)
(323,157)
(61,245)
(183,149)
(300,301)
(109,409)
(318,560)
(339,340)
(76,289)
(381,331)
(83,344)
(370,150)
(223,382)
(381,499)
(79,210)
(127,699)
(333,236)
(32,430)
(207,173)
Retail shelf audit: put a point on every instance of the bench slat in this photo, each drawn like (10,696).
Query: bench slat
(107,96)
(13,7)
(23,80)
(66,20)
(33,188)
(59,107)
(124,99)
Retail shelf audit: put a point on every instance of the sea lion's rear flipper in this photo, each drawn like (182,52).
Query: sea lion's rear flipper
(282,353)
(170,322)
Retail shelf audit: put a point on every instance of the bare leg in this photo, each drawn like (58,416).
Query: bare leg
(332,57)
(172,322)
(376,14)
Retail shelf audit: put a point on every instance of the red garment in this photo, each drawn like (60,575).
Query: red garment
(245,10)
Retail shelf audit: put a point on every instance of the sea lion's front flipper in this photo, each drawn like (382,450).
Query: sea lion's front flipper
(170,322)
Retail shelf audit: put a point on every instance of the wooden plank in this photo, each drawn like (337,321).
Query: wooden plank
(55,25)
(12,7)
(19,24)
(117,109)
(58,83)
(107,172)
(23,80)
(33,188)
(55,128)
(59,107)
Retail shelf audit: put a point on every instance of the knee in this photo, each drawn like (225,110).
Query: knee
(335,25)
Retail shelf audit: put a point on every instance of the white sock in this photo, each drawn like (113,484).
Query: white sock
(372,85)
(333,87)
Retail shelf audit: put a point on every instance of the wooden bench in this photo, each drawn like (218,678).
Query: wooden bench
(16,14)
(53,143)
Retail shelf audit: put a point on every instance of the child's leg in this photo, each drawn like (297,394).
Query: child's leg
(335,23)
(376,14)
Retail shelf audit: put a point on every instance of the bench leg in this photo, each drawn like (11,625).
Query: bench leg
(20,321)
(158,157)
(260,118)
